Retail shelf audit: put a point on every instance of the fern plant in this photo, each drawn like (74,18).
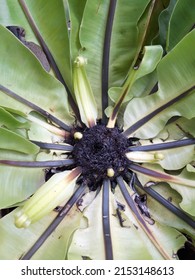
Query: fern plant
(97,129)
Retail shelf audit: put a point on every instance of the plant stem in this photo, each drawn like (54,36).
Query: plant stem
(124,91)
(48,163)
(106,56)
(51,146)
(163,146)
(161,176)
(106,220)
(128,198)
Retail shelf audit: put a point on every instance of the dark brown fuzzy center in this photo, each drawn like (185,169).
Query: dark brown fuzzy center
(101,148)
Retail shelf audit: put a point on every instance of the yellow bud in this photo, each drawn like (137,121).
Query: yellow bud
(110,172)
(78,135)
(21,219)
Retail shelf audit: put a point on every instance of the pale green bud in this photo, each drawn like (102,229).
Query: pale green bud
(50,195)
(110,172)
(78,135)
(83,93)
(142,157)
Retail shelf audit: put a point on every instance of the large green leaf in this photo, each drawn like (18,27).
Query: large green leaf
(181,22)
(94,19)
(123,40)
(27,78)
(147,116)
(21,240)
(76,13)
(188,194)
(18,183)
(57,245)
(127,241)
(164,20)
(137,77)
(53,28)
(10,121)
(80,234)
(11,13)
(173,159)
(168,218)
(54,32)
(184,186)
(11,141)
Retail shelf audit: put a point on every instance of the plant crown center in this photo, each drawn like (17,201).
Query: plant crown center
(100,149)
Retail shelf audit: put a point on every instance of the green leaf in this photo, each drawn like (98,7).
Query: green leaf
(53,28)
(84,241)
(151,57)
(21,240)
(18,183)
(94,18)
(181,22)
(80,234)
(188,194)
(168,218)
(11,14)
(175,158)
(123,41)
(28,79)
(76,13)
(184,184)
(147,116)
(127,241)
(148,23)
(11,141)
(164,20)
(10,121)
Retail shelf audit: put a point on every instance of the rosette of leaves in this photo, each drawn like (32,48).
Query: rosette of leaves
(97,129)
